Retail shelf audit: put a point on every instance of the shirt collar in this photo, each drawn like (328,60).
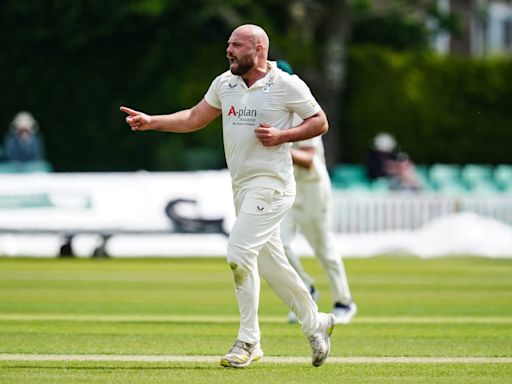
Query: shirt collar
(268,79)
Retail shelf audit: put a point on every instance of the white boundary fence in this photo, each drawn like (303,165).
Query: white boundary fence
(393,211)
(137,202)
(41,213)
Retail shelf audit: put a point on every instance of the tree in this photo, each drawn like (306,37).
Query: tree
(73,63)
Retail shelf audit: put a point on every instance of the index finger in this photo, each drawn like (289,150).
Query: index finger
(129,111)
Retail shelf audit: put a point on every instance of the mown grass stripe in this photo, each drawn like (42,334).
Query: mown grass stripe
(266,359)
(235,319)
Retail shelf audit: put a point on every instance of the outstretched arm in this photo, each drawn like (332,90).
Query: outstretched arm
(187,120)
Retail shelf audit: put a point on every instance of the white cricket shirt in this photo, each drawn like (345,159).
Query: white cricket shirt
(271,100)
(318,171)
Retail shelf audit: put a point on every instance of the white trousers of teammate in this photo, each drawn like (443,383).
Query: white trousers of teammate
(255,248)
(311,214)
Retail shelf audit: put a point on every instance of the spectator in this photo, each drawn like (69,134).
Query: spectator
(23,142)
(314,222)
(380,156)
(402,174)
(397,168)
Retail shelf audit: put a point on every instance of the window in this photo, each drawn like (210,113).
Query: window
(507,34)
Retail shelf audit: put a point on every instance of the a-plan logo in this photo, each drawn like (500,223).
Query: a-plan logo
(242,112)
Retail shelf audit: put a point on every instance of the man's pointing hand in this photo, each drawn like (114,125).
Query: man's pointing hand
(138,121)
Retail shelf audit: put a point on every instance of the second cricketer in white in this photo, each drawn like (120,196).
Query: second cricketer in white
(311,215)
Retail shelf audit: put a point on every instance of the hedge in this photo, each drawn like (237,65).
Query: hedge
(440,108)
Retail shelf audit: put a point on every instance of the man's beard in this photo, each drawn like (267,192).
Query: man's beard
(245,64)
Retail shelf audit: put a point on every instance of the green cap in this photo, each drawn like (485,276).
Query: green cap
(285,66)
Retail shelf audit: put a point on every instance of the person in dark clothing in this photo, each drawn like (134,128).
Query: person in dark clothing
(23,142)
(381,156)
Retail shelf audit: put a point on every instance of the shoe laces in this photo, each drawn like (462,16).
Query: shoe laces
(241,347)
(317,341)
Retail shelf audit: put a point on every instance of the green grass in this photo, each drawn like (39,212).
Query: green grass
(408,307)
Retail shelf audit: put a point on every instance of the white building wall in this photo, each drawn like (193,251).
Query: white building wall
(499,28)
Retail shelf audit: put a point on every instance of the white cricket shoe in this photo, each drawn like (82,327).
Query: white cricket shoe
(292,317)
(344,312)
(321,340)
(242,354)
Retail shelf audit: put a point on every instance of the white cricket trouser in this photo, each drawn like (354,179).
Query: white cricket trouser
(312,215)
(255,248)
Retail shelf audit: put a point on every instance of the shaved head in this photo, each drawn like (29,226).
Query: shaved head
(258,34)
(254,33)
(247,52)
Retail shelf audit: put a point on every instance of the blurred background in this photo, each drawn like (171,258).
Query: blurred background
(418,96)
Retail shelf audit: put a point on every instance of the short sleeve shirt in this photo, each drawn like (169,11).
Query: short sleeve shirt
(318,171)
(272,100)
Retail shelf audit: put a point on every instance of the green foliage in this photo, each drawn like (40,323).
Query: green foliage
(393,30)
(72,64)
(438,108)
(400,24)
